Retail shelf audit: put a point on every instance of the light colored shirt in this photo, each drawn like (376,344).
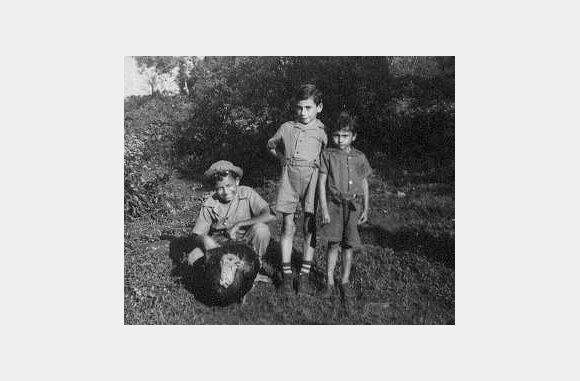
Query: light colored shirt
(246,204)
(300,141)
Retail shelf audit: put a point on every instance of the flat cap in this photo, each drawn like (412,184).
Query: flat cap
(222,166)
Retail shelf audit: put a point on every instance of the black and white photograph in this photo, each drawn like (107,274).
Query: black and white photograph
(296,190)
(289,190)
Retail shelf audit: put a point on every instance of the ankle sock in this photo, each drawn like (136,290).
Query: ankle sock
(286,269)
(306,267)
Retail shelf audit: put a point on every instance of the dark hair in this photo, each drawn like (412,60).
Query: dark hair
(308,91)
(219,176)
(345,122)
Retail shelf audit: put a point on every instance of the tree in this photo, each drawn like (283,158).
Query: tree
(159,70)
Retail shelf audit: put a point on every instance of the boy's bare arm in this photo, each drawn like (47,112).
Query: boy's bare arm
(322,198)
(364,215)
(277,154)
(264,217)
(203,240)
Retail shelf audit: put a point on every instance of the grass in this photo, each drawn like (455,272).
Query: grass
(404,274)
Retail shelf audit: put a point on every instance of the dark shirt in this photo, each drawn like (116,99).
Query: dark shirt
(346,172)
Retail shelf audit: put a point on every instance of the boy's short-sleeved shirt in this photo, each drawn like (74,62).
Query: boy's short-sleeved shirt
(299,141)
(246,204)
(301,145)
(345,171)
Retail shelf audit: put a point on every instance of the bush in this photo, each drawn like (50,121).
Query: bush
(405,106)
(142,186)
(157,122)
(406,116)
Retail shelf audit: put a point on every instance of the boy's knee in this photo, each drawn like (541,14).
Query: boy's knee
(261,230)
(288,227)
(333,245)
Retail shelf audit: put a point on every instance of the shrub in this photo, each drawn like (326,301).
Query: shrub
(142,187)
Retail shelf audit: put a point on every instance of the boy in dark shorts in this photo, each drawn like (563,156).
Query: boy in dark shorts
(297,144)
(344,199)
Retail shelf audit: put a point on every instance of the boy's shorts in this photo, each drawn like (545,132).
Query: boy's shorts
(297,184)
(343,225)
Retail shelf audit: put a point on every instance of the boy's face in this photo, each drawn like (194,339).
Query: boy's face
(227,188)
(343,139)
(307,110)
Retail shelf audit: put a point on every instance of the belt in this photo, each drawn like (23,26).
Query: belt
(301,163)
(345,199)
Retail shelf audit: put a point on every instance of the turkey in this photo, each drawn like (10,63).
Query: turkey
(225,274)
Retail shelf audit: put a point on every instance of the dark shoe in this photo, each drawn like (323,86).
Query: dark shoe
(286,285)
(329,291)
(304,286)
(348,294)
(267,269)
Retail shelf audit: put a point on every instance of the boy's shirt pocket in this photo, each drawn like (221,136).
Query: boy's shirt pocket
(308,147)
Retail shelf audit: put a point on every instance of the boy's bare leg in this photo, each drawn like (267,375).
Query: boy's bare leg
(347,264)
(288,230)
(304,286)
(331,258)
(259,237)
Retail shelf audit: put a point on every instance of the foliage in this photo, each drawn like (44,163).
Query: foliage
(157,122)
(161,64)
(227,108)
(142,186)
(405,106)
(231,106)
(151,125)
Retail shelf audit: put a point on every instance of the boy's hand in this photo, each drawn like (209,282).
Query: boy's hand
(364,217)
(282,160)
(233,232)
(325,217)
(220,227)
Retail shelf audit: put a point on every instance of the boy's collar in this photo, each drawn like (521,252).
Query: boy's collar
(316,123)
(353,151)
(212,201)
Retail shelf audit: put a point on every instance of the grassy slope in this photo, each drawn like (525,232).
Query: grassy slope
(404,274)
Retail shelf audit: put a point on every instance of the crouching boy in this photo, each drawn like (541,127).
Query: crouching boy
(232,212)
(344,199)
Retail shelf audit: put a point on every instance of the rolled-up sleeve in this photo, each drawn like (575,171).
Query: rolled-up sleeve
(275,140)
(203,222)
(257,203)
(365,168)
(323,163)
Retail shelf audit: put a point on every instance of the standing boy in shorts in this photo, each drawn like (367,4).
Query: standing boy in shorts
(344,199)
(297,144)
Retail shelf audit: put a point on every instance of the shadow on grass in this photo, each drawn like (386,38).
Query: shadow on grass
(439,248)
